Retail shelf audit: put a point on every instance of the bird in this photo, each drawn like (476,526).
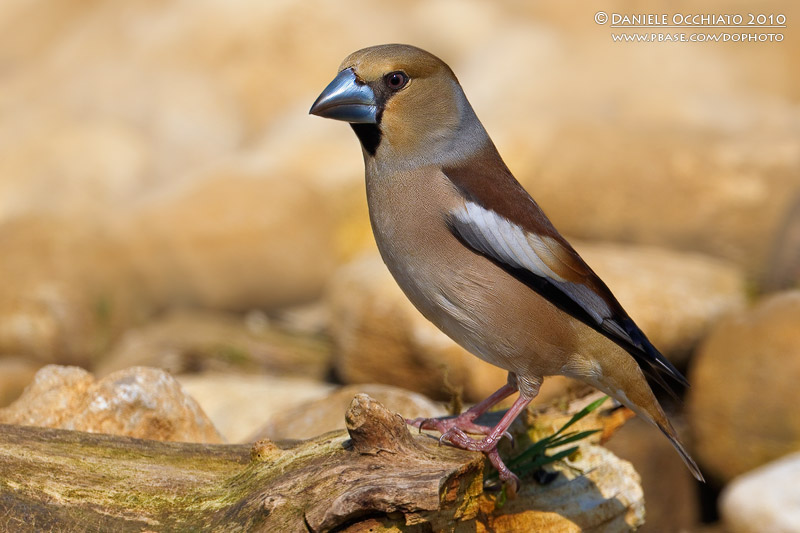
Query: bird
(477,256)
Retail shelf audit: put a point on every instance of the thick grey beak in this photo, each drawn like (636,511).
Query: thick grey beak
(346,98)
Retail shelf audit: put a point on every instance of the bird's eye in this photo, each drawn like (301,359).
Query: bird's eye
(396,80)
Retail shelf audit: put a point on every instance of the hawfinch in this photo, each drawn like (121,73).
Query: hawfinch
(475,253)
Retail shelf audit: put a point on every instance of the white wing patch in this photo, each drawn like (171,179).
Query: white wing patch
(497,236)
(506,240)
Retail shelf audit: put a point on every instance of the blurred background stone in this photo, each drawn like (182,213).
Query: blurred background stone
(765,499)
(15,374)
(186,341)
(239,405)
(744,386)
(241,235)
(139,402)
(318,416)
(783,269)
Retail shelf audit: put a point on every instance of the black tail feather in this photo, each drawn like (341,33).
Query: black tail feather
(654,365)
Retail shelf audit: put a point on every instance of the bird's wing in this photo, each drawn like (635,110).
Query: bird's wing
(500,220)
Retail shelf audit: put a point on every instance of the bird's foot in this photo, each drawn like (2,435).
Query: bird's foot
(487,445)
(442,425)
(463,422)
(458,438)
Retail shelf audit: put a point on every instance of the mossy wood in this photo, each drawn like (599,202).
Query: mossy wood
(375,475)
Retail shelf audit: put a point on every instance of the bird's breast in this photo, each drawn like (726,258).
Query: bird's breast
(468,297)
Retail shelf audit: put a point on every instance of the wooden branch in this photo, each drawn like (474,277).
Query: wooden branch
(375,474)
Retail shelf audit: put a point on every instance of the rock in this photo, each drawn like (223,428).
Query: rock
(185,341)
(764,499)
(15,374)
(630,187)
(239,405)
(601,493)
(744,384)
(318,416)
(213,243)
(783,269)
(674,297)
(70,295)
(138,402)
(242,235)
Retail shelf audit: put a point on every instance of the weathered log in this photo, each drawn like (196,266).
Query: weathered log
(376,475)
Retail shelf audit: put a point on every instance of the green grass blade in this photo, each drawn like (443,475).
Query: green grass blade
(582,413)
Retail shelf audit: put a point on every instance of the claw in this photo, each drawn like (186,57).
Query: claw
(458,438)
(510,480)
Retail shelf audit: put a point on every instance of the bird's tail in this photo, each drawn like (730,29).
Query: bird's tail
(654,414)
(638,397)
(669,432)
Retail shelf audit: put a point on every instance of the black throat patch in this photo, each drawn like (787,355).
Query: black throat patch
(369,135)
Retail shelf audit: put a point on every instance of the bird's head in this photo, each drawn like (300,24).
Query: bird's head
(400,100)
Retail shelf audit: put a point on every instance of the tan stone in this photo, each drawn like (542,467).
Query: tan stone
(239,405)
(742,404)
(71,290)
(318,416)
(625,186)
(186,341)
(138,402)
(238,240)
(606,496)
(239,237)
(15,374)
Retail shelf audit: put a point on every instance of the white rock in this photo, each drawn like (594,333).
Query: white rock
(765,499)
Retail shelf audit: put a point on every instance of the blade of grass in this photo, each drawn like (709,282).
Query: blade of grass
(546,459)
(533,451)
(582,413)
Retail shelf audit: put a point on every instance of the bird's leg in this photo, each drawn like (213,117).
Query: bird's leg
(488,444)
(465,421)
(460,439)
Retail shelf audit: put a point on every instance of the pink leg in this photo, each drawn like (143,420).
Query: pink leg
(459,438)
(488,444)
(465,421)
